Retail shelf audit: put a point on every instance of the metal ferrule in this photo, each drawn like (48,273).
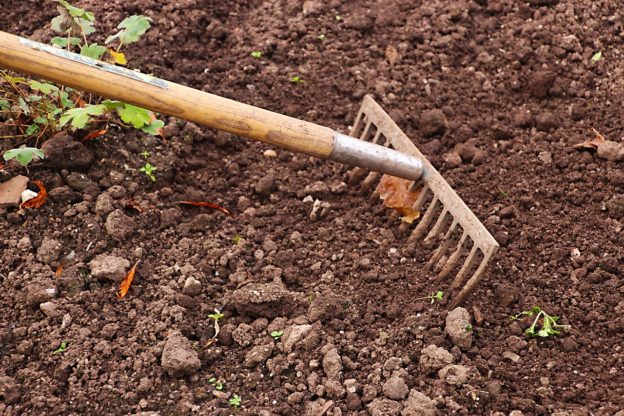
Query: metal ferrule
(374,157)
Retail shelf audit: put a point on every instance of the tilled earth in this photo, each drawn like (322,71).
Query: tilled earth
(326,314)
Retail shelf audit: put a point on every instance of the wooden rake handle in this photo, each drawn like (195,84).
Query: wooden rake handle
(67,68)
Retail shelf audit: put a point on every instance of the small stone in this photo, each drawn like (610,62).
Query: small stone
(293,335)
(511,356)
(516,343)
(258,355)
(459,328)
(295,398)
(361,22)
(466,151)
(546,121)
(265,185)
(37,294)
(50,309)
(11,191)
(433,358)
(332,365)
(178,356)
(395,388)
(269,300)
(244,334)
(452,159)
(418,404)
(384,407)
(24,243)
(106,266)
(192,287)
(104,205)
(334,389)
(49,251)
(79,181)
(433,122)
(545,157)
(119,226)
(610,150)
(270,153)
(454,374)
(615,206)
(522,117)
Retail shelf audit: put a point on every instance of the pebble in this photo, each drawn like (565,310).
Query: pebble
(511,356)
(106,266)
(79,181)
(546,121)
(37,294)
(192,287)
(419,404)
(332,365)
(50,309)
(265,185)
(395,388)
(610,150)
(49,251)
(270,153)
(615,206)
(178,357)
(456,375)
(545,157)
(384,407)
(433,358)
(516,343)
(268,300)
(452,159)
(258,355)
(104,205)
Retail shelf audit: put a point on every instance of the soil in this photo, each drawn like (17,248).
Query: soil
(343,293)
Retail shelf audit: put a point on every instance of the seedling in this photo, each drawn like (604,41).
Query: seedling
(216,383)
(236,239)
(60,349)
(149,170)
(277,334)
(468,328)
(548,326)
(321,37)
(215,317)
(596,57)
(338,17)
(297,80)
(145,154)
(434,297)
(24,155)
(235,401)
(256,54)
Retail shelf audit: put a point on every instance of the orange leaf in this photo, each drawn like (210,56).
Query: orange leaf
(125,284)
(396,194)
(93,135)
(118,58)
(59,270)
(39,200)
(206,204)
(591,143)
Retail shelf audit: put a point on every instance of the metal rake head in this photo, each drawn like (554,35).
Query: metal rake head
(463,240)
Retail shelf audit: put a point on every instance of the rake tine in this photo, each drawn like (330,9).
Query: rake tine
(444,246)
(358,123)
(417,205)
(437,227)
(454,258)
(471,284)
(426,220)
(468,263)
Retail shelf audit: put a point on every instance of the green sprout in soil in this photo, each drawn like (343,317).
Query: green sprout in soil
(256,54)
(149,170)
(338,17)
(596,57)
(24,155)
(321,37)
(216,383)
(38,109)
(277,334)
(434,297)
(297,80)
(62,348)
(468,328)
(544,325)
(145,154)
(235,401)
(236,239)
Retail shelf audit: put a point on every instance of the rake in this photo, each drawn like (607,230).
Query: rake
(376,146)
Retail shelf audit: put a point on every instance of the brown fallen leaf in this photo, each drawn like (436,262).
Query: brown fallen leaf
(591,144)
(59,271)
(94,135)
(125,284)
(39,200)
(207,205)
(396,194)
(132,204)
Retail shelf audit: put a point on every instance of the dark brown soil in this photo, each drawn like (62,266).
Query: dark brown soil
(513,82)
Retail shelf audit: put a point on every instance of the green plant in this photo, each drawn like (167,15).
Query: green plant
(338,17)
(40,109)
(297,80)
(216,383)
(434,297)
(148,169)
(596,57)
(236,239)
(548,326)
(235,401)
(468,328)
(145,154)
(277,334)
(321,37)
(24,155)
(62,348)
(256,54)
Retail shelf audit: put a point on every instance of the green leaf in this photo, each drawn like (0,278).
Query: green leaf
(321,37)
(136,116)
(62,42)
(41,120)
(23,105)
(153,127)
(34,98)
(65,101)
(112,105)
(277,334)
(80,117)
(132,28)
(543,333)
(86,26)
(44,87)
(14,80)
(256,54)
(4,105)
(93,51)
(24,156)
(32,129)
(596,57)
(297,79)
(61,348)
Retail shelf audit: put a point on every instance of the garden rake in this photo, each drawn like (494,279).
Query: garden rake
(382,148)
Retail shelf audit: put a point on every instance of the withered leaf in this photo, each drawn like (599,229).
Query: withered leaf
(117,58)
(591,144)
(396,194)
(39,200)
(207,205)
(94,135)
(125,284)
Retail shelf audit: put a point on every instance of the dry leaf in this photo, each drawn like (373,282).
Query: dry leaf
(125,284)
(93,135)
(206,204)
(59,271)
(39,200)
(396,194)
(591,144)
(117,58)
(132,204)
